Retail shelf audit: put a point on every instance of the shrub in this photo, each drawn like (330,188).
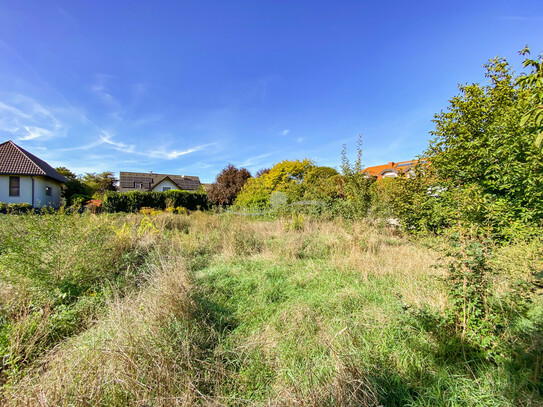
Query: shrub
(15,208)
(134,201)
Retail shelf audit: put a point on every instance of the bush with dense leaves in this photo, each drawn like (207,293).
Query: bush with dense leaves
(15,208)
(133,201)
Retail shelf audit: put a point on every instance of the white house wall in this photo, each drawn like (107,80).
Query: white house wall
(25,191)
(166,183)
(40,199)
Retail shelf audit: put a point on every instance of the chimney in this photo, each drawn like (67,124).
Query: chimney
(391,164)
(151,172)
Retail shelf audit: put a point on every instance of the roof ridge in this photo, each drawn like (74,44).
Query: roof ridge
(21,161)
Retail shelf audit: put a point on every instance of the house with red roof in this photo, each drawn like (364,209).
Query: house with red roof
(25,178)
(391,169)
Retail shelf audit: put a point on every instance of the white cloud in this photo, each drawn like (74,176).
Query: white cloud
(35,132)
(106,138)
(285,132)
(299,139)
(26,119)
(254,161)
(171,155)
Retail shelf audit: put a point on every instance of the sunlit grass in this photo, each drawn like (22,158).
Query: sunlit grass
(225,310)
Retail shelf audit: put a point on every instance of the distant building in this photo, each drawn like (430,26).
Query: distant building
(25,178)
(149,181)
(391,169)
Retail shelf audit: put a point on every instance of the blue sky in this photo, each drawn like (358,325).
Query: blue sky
(187,87)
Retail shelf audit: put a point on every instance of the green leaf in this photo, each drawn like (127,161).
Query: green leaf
(539,139)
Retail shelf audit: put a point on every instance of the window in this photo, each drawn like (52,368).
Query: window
(164,189)
(14,186)
(48,191)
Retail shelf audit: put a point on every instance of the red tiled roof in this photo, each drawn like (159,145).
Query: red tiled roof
(17,161)
(378,170)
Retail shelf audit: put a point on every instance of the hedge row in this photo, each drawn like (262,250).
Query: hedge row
(15,208)
(135,200)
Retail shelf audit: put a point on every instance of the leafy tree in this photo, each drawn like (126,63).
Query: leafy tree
(254,194)
(296,179)
(100,183)
(533,81)
(284,175)
(228,184)
(481,146)
(320,183)
(74,186)
(287,177)
(66,173)
(262,171)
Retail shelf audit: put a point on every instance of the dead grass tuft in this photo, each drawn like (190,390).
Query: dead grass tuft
(141,351)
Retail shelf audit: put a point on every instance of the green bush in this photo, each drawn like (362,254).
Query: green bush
(15,208)
(133,201)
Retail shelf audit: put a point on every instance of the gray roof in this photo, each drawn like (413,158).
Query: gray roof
(16,161)
(130,181)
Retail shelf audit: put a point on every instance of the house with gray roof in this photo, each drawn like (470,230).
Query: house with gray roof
(25,178)
(149,181)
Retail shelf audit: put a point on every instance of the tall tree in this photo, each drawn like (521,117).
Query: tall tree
(100,183)
(481,146)
(74,186)
(228,184)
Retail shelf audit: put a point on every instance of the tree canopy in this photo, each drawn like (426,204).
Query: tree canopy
(481,146)
(297,179)
(228,184)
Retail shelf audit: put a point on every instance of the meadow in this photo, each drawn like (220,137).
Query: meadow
(210,309)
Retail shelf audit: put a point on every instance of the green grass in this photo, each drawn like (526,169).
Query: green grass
(220,310)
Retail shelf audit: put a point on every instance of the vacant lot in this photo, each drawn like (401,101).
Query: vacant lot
(203,309)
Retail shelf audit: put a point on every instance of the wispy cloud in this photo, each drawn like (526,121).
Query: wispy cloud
(171,155)
(285,132)
(254,161)
(117,145)
(25,119)
(35,132)
(103,93)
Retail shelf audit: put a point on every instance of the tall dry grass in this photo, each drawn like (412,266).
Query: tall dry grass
(290,312)
(143,349)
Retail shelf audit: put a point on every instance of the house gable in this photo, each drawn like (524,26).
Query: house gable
(25,178)
(14,160)
(148,181)
(165,184)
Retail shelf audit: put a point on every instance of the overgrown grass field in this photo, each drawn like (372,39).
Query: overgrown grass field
(204,309)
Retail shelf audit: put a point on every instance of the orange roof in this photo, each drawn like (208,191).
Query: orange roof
(378,170)
(95,202)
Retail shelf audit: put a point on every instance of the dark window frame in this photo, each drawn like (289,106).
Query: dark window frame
(48,191)
(14,190)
